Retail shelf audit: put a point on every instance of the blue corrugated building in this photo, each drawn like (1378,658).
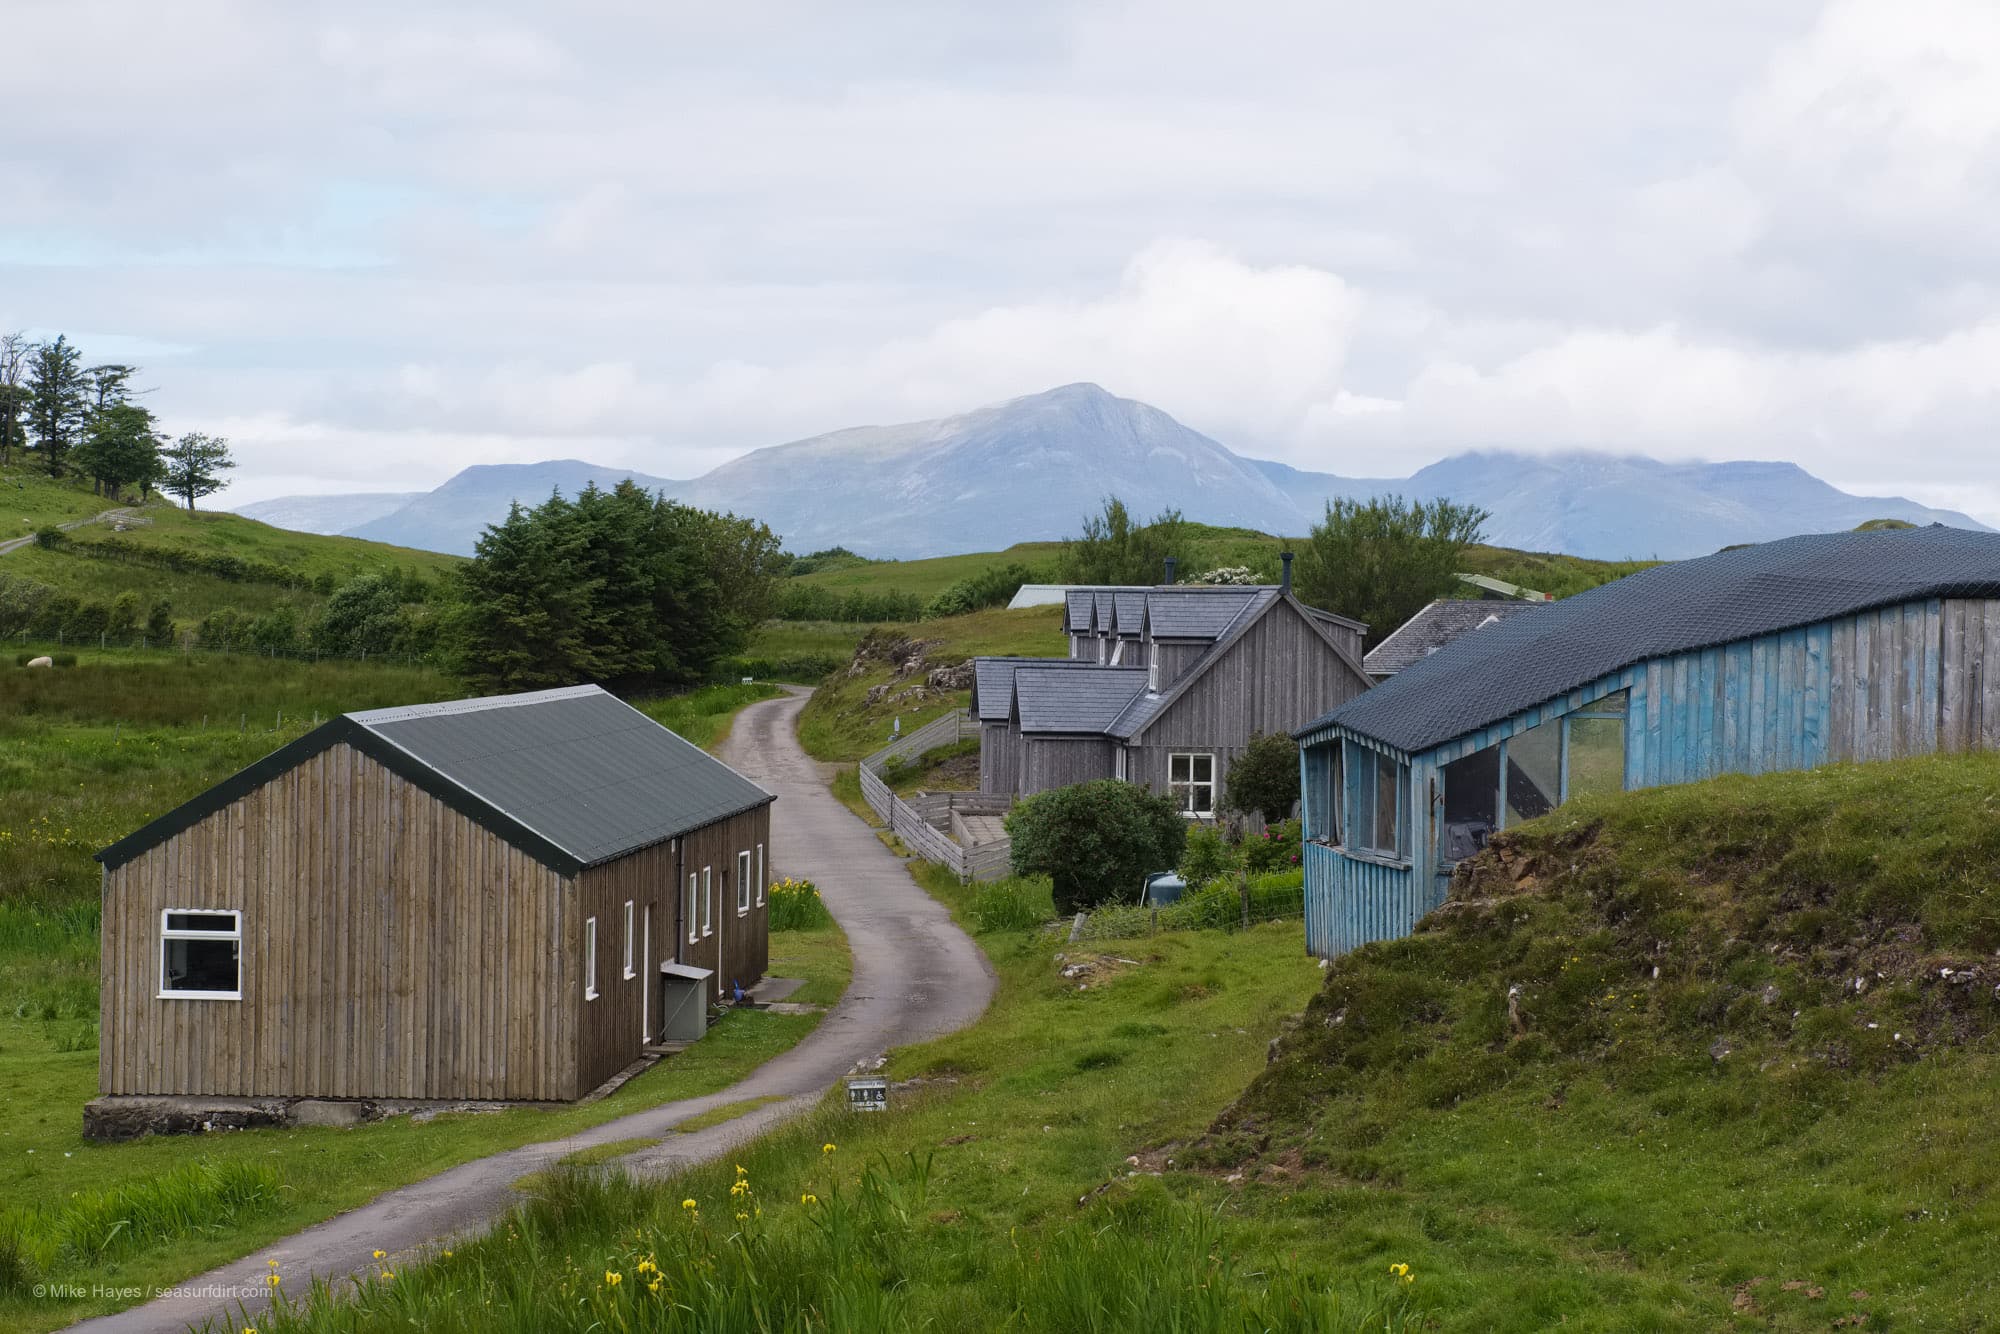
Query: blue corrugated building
(1785,655)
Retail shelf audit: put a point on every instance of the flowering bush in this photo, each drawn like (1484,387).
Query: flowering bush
(797,906)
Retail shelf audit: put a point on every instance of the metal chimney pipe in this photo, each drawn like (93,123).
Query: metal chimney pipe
(1171,565)
(1285,580)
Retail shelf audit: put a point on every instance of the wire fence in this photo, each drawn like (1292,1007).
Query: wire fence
(1218,906)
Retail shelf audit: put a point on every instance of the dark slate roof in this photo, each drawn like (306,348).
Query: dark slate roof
(1147,705)
(573,777)
(1130,607)
(1483,678)
(1077,604)
(1196,613)
(993,683)
(1434,627)
(1072,700)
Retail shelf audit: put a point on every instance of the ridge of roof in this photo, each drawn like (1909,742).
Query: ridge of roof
(1681,607)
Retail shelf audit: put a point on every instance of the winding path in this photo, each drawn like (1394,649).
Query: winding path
(916,975)
(15,543)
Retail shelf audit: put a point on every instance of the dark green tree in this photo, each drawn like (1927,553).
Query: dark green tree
(1113,549)
(160,622)
(118,449)
(192,467)
(364,615)
(1097,842)
(1380,561)
(618,587)
(1264,778)
(58,402)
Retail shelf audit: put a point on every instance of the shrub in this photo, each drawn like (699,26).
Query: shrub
(1276,849)
(50,536)
(1264,779)
(989,588)
(1096,842)
(1010,905)
(810,602)
(160,622)
(797,906)
(1207,857)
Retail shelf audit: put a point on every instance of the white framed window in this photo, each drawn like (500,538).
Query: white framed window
(201,954)
(630,971)
(590,958)
(1153,669)
(1117,653)
(707,902)
(1191,781)
(688,909)
(762,879)
(742,882)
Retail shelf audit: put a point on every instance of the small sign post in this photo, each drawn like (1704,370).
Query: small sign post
(867,1095)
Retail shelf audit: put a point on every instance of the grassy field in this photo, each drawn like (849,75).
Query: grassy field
(998,1192)
(839,723)
(1691,1118)
(276,567)
(86,755)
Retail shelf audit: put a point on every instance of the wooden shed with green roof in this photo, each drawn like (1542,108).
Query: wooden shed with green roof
(467,900)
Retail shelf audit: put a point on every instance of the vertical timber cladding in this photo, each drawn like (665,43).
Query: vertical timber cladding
(1280,675)
(736,948)
(1059,761)
(391,948)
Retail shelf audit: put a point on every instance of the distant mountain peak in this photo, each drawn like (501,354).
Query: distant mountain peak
(1031,467)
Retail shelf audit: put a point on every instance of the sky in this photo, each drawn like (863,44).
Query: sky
(373,244)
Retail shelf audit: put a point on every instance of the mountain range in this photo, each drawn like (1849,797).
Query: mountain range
(1032,467)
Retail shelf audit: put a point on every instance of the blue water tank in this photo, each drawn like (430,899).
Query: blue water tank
(1164,888)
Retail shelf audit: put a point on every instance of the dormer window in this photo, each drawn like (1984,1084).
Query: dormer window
(1153,669)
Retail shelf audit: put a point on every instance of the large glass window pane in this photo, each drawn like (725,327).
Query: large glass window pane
(1534,771)
(1596,756)
(1471,803)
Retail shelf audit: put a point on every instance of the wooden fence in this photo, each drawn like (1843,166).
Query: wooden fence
(921,822)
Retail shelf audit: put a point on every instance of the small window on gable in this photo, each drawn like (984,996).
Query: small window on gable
(630,971)
(742,883)
(201,954)
(1153,669)
(590,958)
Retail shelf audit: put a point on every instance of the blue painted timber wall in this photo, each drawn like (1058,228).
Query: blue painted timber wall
(1902,680)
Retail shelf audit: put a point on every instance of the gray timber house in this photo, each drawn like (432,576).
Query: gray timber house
(1163,687)
(487,899)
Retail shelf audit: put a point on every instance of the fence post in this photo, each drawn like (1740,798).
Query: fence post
(1243,887)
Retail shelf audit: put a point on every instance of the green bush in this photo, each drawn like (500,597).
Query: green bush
(1276,848)
(1264,779)
(805,669)
(1207,856)
(989,588)
(1010,905)
(1097,842)
(810,602)
(50,536)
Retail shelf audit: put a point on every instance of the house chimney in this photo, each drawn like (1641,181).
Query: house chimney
(1171,564)
(1285,580)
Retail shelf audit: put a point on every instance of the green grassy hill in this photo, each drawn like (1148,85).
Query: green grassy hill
(1746,1077)
(201,563)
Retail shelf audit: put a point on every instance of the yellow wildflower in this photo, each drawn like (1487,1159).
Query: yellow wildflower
(808,1199)
(1403,1272)
(274,1279)
(826,1148)
(388,1273)
(687,1204)
(612,1278)
(654,1286)
(380,1254)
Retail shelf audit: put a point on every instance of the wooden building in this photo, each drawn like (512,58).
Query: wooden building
(1785,655)
(471,900)
(1163,687)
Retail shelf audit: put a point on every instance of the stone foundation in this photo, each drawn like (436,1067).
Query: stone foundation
(130,1116)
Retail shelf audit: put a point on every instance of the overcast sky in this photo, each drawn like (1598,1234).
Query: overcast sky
(374,243)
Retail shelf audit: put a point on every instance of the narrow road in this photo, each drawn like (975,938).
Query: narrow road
(15,543)
(916,975)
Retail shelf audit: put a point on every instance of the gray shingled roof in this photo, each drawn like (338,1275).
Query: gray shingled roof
(574,777)
(1196,613)
(1070,700)
(1483,678)
(1434,627)
(1077,604)
(1130,608)
(993,683)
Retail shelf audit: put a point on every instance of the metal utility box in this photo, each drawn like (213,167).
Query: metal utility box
(867,1095)
(1164,888)
(684,991)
